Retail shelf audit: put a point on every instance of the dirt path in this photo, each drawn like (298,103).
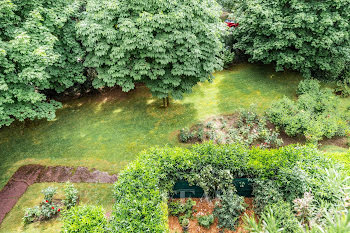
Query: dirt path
(30,174)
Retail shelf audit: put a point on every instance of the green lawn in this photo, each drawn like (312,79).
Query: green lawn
(107,131)
(92,194)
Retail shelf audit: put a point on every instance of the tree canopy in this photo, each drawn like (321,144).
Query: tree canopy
(38,52)
(308,36)
(169,45)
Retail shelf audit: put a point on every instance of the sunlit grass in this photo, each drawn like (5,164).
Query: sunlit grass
(107,131)
(92,194)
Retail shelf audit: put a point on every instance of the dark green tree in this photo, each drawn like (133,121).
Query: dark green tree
(312,37)
(38,52)
(169,45)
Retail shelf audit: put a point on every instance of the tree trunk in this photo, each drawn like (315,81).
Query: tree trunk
(167,101)
(164,104)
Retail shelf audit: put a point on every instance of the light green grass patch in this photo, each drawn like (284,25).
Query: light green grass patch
(107,131)
(92,194)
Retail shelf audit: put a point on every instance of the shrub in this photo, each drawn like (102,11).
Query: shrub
(230,207)
(71,195)
(265,192)
(206,220)
(316,114)
(31,214)
(84,219)
(46,210)
(185,135)
(310,86)
(49,193)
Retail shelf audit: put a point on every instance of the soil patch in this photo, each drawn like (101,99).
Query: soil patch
(205,207)
(33,173)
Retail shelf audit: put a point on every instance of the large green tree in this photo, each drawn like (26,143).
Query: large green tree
(169,45)
(311,36)
(38,52)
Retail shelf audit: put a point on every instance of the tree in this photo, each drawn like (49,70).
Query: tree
(169,45)
(312,37)
(38,52)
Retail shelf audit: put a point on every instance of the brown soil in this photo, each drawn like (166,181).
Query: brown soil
(30,174)
(205,207)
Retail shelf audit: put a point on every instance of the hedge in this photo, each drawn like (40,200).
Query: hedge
(143,188)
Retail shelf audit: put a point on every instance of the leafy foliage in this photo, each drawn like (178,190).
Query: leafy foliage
(71,196)
(38,52)
(307,36)
(249,129)
(84,219)
(143,186)
(229,209)
(168,45)
(316,113)
(206,220)
(182,210)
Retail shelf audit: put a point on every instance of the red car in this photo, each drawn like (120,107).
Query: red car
(231,23)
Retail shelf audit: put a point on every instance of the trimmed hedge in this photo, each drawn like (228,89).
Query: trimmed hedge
(143,187)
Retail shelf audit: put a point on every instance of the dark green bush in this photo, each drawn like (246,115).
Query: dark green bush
(228,210)
(84,219)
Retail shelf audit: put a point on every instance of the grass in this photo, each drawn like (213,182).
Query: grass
(92,194)
(107,131)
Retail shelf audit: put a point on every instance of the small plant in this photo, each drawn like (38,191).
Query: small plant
(185,135)
(183,211)
(228,210)
(304,208)
(49,193)
(206,220)
(71,195)
(31,214)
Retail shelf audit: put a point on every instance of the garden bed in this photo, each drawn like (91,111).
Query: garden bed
(205,207)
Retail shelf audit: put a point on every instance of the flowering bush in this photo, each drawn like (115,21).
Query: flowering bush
(49,207)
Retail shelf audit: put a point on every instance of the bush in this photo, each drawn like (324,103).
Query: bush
(185,135)
(84,219)
(230,207)
(206,220)
(265,192)
(49,193)
(310,86)
(71,195)
(316,113)
(31,214)
(143,187)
